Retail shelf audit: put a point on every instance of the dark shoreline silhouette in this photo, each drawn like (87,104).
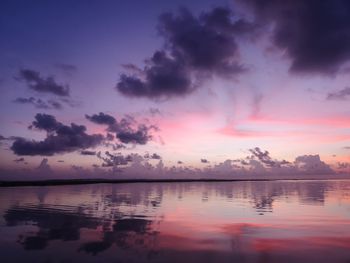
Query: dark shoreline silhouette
(121,181)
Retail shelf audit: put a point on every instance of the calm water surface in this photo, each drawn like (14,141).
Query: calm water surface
(278,221)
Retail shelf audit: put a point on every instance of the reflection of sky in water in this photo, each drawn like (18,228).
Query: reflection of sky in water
(168,222)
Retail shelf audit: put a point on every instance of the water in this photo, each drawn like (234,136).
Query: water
(277,221)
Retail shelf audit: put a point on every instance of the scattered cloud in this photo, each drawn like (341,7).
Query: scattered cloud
(126,130)
(114,160)
(60,138)
(264,158)
(155,111)
(36,82)
(343,94)
(39,103)
(204,161)
(153,156)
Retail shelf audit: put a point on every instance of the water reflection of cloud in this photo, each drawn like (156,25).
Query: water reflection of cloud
(216,221)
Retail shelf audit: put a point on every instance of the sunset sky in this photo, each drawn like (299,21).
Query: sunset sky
(100,87)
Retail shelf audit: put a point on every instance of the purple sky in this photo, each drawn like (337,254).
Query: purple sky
(174,88)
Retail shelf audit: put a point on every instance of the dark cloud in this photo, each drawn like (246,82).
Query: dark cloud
(71,103)
(153,156)
(110,137)
(110,160)
(139,136)
(60,138)
(164,76)
(179,162)
(126,130)
(45,122)
(204,161)
(203,45)
(206,42)
(264,158)
(101,118)
(38,83)
(339,95)
(39,103)
(118,146)
(315,34)
(86,152)
(19,160)
(156,156)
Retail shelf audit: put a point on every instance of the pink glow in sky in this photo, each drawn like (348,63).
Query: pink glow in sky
(174,90)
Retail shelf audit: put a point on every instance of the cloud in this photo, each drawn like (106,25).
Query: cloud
(164,76)
(343,165)
(312,164)
(314,34)
(45,122)
(19,160)
(86,152)
(39,103)
(109,137)
(111,160)
(40,84)
(153,156)
(101,118)
(126,130)
(339,95)
(139,136)
(204,161)
(194,46)
(155,112)
(60,138)
(156,156)
(264,158)
(44,166)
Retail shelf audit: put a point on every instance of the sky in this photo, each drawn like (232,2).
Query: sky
(126,89)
